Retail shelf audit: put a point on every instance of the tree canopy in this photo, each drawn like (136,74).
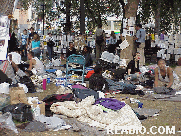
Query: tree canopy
(169,12)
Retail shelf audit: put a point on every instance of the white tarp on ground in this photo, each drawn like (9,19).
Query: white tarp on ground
(84,111)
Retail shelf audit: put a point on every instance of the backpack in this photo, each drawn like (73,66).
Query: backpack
(50,43)
(99,39)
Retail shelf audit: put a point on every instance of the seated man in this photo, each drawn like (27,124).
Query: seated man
(96,81)
(133,68)
(36,66)
(70,50)
(165,77)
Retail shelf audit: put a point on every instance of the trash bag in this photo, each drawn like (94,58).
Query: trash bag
(4,100)
(27,81)
(83,93)
(20,112)
(7,122)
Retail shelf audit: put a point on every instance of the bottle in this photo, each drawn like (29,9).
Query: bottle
(37,111)
(44,82)
(48,78)
(41,55)
(33,111)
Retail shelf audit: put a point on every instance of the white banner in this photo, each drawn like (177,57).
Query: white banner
(4,27)
(3,48)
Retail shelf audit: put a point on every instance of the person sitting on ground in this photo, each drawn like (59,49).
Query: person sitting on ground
(133,68)
(97,82)
(36,66)
(70,50)
(87,55)
(165,77)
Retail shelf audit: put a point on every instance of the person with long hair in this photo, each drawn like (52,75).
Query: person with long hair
(35,45)
(87,55)
(133,68)
(13,43)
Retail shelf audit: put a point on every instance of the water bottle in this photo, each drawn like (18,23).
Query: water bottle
(48,78)
(37,111)
(33,111)
(41,55)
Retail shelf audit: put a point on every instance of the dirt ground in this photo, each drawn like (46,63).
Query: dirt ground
(170,114)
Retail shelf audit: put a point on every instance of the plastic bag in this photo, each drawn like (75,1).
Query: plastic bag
(20,112)
(24,87)
(4,100)
(7,122)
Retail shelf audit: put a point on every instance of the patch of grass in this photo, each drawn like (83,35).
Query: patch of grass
(18,123)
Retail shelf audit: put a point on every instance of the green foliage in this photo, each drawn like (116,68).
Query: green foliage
(169,12)
(95,10)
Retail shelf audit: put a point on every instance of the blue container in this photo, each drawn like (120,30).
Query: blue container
(51,70)
(140,105)
(48,80)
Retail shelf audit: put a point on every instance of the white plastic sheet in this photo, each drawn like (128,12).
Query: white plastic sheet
(124,44)
(7,122)
(4,88)
(24,87)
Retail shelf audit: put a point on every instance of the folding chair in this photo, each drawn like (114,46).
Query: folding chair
(75,59)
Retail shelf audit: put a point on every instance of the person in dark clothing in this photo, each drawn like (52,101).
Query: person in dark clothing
(112,48)
(31,35)
(87,55)
(97,82)
(133,68)
(70,50)
(13,43)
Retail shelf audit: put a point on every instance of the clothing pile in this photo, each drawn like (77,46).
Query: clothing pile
(85,111)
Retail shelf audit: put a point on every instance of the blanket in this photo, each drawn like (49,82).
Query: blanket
(86,112)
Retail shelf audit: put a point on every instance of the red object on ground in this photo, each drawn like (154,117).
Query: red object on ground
(89,74)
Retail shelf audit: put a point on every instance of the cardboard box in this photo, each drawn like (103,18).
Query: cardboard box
(18,95)
(41,105)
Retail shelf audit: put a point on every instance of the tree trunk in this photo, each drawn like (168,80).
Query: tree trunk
(82,17)
(130,11)
(157,18)
(68,23)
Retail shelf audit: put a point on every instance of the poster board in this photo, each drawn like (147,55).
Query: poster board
(4,36)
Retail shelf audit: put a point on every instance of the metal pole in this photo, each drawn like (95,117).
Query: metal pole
(43,17)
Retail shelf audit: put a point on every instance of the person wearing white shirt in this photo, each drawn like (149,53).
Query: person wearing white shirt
(50,41)
(113,39)
(36,66)
(140,40)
